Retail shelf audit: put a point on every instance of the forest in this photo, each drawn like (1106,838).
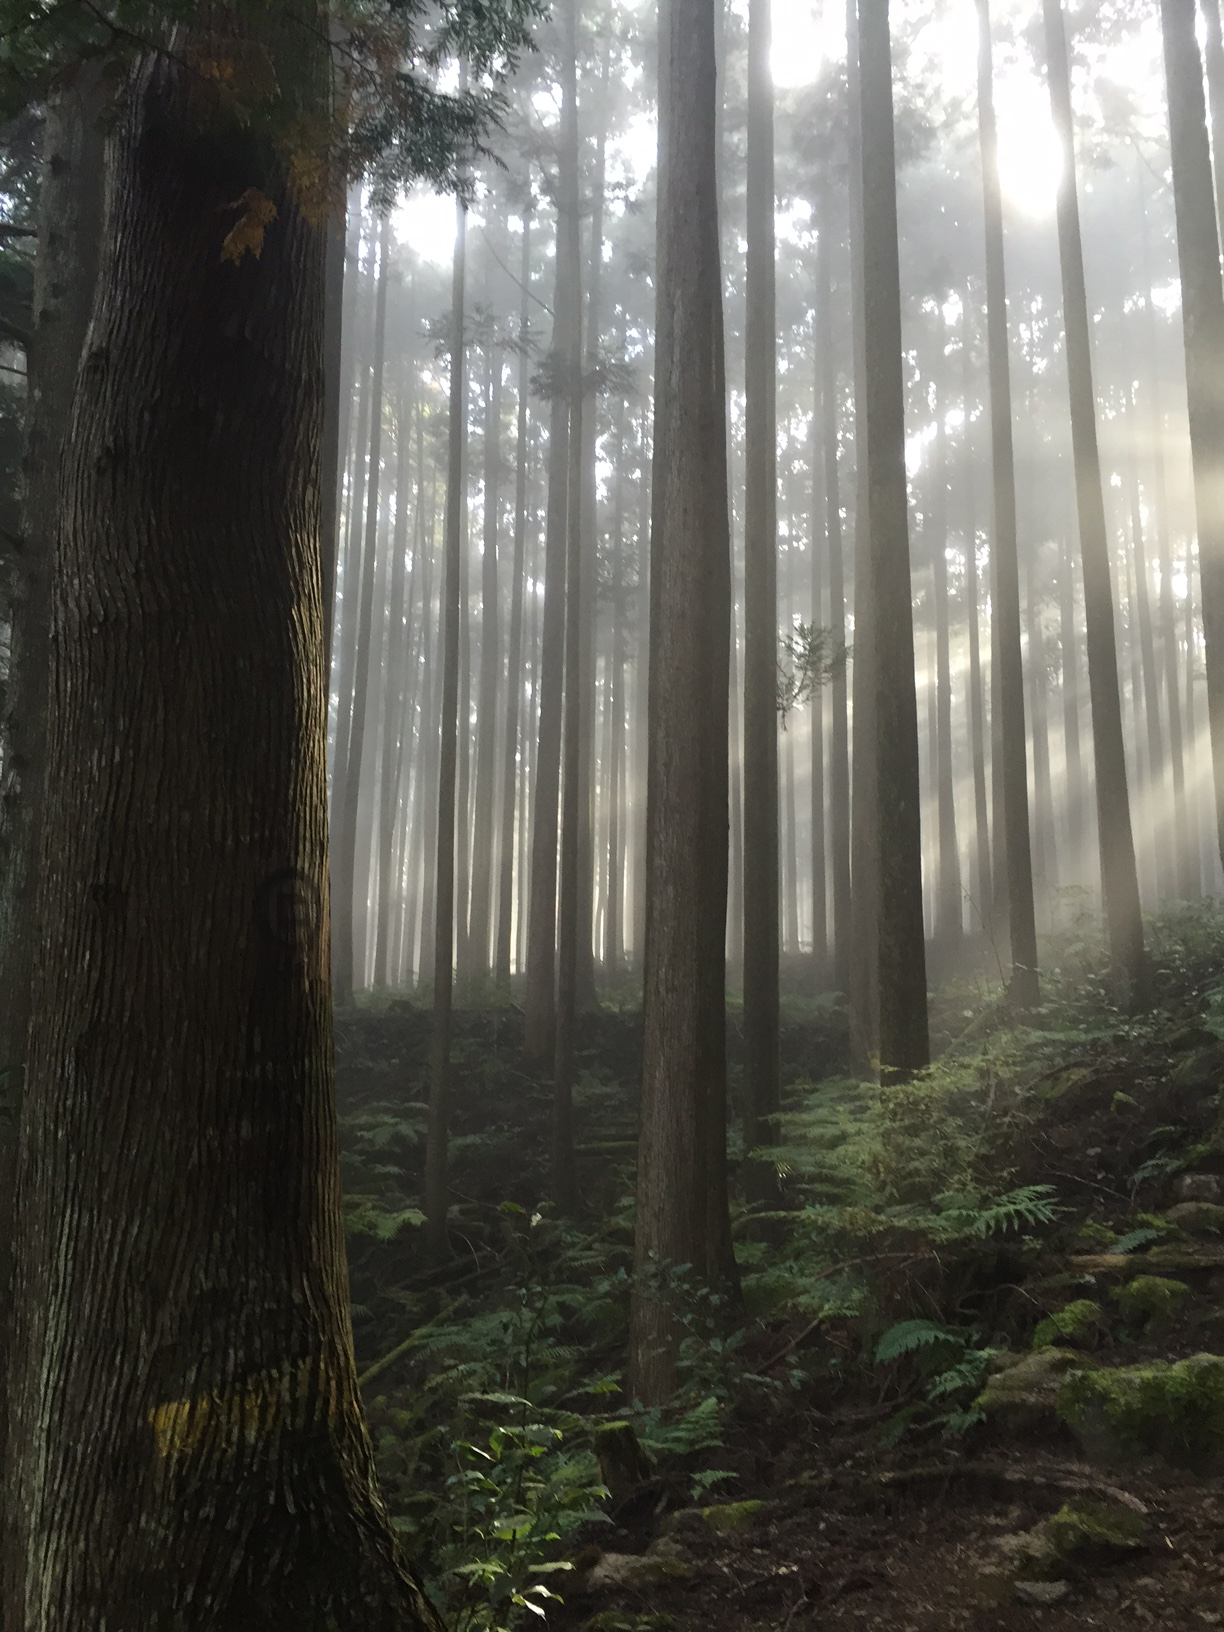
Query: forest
(611,815)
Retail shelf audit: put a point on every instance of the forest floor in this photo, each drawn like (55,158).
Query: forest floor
(973,1381)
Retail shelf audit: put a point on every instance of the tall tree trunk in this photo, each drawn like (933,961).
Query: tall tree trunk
(486,705)
(334,427)
(349,950)
(1214,44)
(1119,880)
(975,701)
(188,1447)
(948,928)
(1013,847)
(1045,848)
(540,999)
(575,788)
(1198,258)
(430,747)
(680,1185)
(396,670)
(897,839)
(839,744)
(437,1189)
(1162,836)
(514,655)
(818,559)
(864,967)
(761,835)
(614,951)
(587,997)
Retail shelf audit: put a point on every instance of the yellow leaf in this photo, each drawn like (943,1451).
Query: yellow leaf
(246,236)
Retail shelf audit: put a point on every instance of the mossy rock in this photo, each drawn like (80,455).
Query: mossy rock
(1089,1527)
(1150,1300)
(1025,1394)
(1095,1237)
(1077,1322)
(1174,1412)
(617,1620)
(730,1518)
(1198,1218)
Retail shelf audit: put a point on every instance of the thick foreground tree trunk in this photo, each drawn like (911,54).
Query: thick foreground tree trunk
(188,1451)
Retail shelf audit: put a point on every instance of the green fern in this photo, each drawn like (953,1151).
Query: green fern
(909,1335)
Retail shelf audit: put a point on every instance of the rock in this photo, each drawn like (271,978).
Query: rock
(1076,1322)
(1150,1300)
(1198,1217)
(1090,1530)
(662,1561)
(1025,1395)
(1197,1187)
(1040,1592)
(1173,1412)
(727,1518)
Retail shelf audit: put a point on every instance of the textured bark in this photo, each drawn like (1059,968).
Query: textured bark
(69,235)
(893,743)
(1198,256)
(334,428)
(761,816)
(514,654)
(1012,842)
(437,1194)
(1119,880)
(188,1447)
(348,950)
(681,1196)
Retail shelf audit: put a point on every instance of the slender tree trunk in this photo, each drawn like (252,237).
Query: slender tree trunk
(761,824)
(948,926)
(1011,832)
(575,788)
(1045,848)
(349,950)
(396,668)
(1119,880)
(614,951)
(839,745)
(1162,836)
(188,1451)
(897,839)
(680,1182)
(817,847)
(975,701)
(540,1002)
(514,656)
(437,1190)
(1214,53)
(1198,255)
(430,742)
(486,706)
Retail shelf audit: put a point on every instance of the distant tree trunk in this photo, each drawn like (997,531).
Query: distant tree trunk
(975,701)
(864,966)
(430,748)
(839,744)
(1119,880)
(540,1000)
(1045,849)
(1013,846)
(817,526)
(334,426)
(897,840)
(761,835)
(514,656)
(587,996)
(1166,883)
(948,926)
(1198,256)
(641,696)
(614,951)
(463,775)
(486,703)
(396,669)
(437,1189)
(192,1454)
(735,886)
(575,788)
(349,950)
(680,1184)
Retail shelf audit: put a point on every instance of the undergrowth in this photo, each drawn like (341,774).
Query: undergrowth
(908,1218)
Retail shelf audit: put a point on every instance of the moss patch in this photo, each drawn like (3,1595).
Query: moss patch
(1150,1300)
(726,1518)
(1076,1322)
(1095,1527)
(1175,1412)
